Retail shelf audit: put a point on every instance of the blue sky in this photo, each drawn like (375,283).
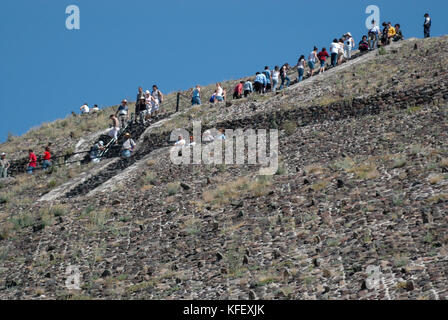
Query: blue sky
(47,71)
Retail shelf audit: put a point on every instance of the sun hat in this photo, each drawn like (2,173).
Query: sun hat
(101,143)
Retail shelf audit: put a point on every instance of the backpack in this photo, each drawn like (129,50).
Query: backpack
(212,99)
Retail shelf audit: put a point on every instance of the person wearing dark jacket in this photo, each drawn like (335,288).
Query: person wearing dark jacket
(427,26)
(140,108)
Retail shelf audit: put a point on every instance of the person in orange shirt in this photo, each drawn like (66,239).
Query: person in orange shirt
(391,33)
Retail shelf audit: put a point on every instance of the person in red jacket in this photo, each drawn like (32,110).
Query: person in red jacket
(323,55)
(47,159)
(238,92)
(32,162)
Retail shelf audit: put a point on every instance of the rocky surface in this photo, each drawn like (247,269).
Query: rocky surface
(357,209)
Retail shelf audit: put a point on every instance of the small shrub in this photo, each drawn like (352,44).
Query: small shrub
(382,51)
(172,188)
(399,163)
(6,230)
(281,169)
(435,179)
(24,220)
(290,127)
(4,199)
(58,211)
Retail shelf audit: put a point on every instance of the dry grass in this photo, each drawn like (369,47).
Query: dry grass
(315,169)
(236,189)
(435,179)
(366,171)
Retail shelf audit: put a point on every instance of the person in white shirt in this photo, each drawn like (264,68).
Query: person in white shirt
(128,146)
(113,133)
(349,45)
(219,93)
(149,101)
(158,99)
(95,109)
(312,59)
(374,33)
(341,51)
(180,142)
(84,108)
(334,51)
(207,136)
(192,142)
(275,78)
(427,26)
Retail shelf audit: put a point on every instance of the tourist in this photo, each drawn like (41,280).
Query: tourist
(207,137)
(122,113)
(47,159)
(248,88)
(349,45)
(364,45)
(95,151)
(391,33)
(128,146)
(238,91)
(32,162)
(385,33)
(374,33)
(180,143)
(275,77)
(84,108)
(322,56)
(196,98)
(268,76)
(218,93)
(221,135)
(427,26)
(301,68)
(341,51)
(284,76)
(4,166)
(334,51)
(113,133)
(139,94)
(148,104)
(140,110)
(312,59)
(260,82)
(398,33)
(158,100)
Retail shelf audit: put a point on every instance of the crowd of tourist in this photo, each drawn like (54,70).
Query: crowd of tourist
(148,103)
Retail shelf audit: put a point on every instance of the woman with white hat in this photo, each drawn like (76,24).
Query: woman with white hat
(128,146)
(349,45)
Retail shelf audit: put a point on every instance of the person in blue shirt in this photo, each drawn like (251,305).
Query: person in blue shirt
(221,135)
(268,75)
(122,113)
(248,88)
(260,82)
(196,99)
